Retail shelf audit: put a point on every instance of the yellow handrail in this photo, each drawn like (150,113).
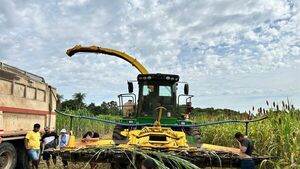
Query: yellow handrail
(96,49)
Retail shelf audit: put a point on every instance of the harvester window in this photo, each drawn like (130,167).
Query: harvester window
(165,91)
(148,89)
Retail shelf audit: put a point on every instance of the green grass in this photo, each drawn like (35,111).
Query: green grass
(278,136)
(81,126)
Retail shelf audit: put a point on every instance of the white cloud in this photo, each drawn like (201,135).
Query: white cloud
(73,2)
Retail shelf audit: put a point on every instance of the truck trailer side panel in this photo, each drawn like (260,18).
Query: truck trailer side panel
(25,99)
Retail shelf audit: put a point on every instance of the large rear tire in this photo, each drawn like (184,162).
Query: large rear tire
(23,160)
(117,133)
(8,156)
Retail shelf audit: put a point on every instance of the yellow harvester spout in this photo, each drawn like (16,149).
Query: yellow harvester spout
(96,49)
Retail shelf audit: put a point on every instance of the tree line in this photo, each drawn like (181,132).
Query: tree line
(78,102)
(111,107)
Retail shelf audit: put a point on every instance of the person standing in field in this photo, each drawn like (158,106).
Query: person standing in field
(247,147)
(32,145)
(50,140)
(63,140)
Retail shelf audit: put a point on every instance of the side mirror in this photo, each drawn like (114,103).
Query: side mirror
(130,87)
(186,89)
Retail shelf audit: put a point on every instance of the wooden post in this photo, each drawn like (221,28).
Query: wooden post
(71,123)
(247,128)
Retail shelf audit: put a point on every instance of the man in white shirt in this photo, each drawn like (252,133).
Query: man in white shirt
(50,140)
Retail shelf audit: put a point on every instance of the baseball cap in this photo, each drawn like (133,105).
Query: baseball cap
(63,130)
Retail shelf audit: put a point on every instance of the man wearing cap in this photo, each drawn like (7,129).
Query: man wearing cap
(32,145)
(50,140)
(63,140)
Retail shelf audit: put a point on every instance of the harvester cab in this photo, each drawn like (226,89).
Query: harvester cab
(155,91)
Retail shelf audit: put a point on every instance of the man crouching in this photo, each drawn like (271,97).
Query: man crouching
(246,147)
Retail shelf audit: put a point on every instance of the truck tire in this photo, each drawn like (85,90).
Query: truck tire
(23,160)
(117,133)
(8,156)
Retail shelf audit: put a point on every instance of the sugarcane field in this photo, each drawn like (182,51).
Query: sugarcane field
(136,84)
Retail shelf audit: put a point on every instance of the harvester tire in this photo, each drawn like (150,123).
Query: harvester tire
(117,133)
(8,156)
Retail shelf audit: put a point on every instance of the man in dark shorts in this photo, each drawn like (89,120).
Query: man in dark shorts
(246,147)
(91,136)
(50,140)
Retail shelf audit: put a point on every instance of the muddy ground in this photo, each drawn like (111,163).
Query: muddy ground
(84,166)
(73,165)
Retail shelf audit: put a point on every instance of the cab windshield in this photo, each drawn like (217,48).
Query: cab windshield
(154,95)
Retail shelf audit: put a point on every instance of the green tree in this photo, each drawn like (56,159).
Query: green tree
(79,99)
(77,102)
(69,104)
(104,107)
(93,108)
(113,108)
(59,99)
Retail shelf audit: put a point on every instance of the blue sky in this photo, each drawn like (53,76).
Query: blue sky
(234,54)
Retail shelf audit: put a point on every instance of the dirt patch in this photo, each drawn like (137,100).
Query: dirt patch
(59,165)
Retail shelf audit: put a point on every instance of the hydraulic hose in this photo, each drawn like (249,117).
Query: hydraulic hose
(164,125)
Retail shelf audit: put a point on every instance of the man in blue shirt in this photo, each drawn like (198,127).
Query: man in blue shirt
(63,142)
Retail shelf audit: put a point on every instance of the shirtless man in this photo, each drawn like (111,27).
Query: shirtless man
(246,146)
(128,108)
